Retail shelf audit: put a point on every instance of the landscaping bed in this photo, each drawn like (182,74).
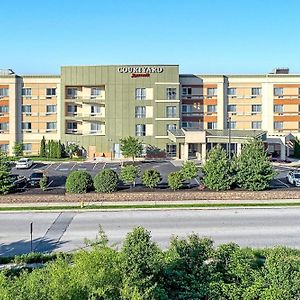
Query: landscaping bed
(157,195)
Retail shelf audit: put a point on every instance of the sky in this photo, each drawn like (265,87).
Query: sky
(202,36)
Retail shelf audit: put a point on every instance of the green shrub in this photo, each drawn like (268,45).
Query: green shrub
(106,181)
(79,182)
(189,170)
(175,180)
(43,183)
(129,174)
(151,178)
(5,183)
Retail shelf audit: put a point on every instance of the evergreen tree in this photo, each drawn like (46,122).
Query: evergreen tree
(58,150)
(253,168)
(43,147)
(217,170)
(297,148)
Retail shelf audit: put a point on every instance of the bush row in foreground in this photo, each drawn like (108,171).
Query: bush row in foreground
(189,268)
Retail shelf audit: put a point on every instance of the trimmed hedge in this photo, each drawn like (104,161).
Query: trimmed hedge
(151,178)
(175,180)
(106,181)
(79,182)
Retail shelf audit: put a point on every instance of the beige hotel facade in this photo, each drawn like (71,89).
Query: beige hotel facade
(183,114)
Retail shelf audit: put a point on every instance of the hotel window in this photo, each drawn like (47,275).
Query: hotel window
(171,150)
(27,147)
(26,126)
(51,126)
(72,109)
(95,92)
(3,92)
(256,125)
(211,108)
(50,92)
(3,127)
(72,127)
(278,108)
(95,110)
(171,93)
(231,108)
(140,130)
(231,91)
(170,127)
(186,91)
(26,109)
(4,109)
(95,127)
(140,93)
(171,111)
(212,92)
(256,108)
(278,91)
(26,92)
(140,112)
(278,125)
(4,148)
(211,125)
(51,109)
(187,108)
(72,92)
(255,91)
(232,124)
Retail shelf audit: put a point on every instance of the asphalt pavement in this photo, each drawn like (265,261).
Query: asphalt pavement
(66,231)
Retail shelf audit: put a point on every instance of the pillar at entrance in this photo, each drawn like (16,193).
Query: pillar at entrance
(203,152)
(282,152)
(186,151)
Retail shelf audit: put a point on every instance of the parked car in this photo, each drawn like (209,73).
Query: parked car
(34,179)
(19,182)
(24,163)
(293,177)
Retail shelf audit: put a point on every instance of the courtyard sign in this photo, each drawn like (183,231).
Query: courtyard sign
(140,70)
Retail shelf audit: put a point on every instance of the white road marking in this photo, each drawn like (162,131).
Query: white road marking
(198,182)
(104,165)
(81,169)
(57,166)
(49,165)
(95,165)
(50,183)
(282,182)
(64,169)
(73,167)
(34,166)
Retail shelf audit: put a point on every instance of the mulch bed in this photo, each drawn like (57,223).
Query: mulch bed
(157,195)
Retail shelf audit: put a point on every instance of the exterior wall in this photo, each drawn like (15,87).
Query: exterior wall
(119,104)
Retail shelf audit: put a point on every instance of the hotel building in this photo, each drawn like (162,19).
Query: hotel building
(183,114)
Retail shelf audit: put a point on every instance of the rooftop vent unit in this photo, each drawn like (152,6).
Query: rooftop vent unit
(6,72)
(281,71)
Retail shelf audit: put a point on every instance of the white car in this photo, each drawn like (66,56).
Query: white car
(293,177)
(24,163)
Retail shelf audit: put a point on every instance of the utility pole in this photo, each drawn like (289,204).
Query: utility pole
(31,231)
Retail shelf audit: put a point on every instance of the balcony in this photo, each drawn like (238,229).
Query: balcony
(85,117)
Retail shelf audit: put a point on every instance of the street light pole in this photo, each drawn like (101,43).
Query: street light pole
(229,136)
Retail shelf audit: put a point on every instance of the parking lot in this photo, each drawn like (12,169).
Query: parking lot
(58,172)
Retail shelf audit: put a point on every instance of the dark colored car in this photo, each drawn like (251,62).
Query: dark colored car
(34,179)
(18,182)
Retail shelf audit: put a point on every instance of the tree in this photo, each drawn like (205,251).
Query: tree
(129,174)
(297,147)
(43,183)
(175,180)
(189,170)
(72,149)
(131,147)
(217,170)
(59,150)
(5,182)
(151,178)
(4,162)
(43,147)
(142,261)
(253,168)
(106,181)
(79,182)
(18,149)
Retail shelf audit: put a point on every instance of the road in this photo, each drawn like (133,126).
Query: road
(54,231)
